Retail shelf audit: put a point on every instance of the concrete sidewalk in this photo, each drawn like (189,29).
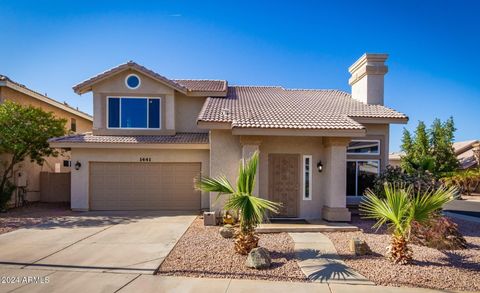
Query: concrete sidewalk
(91,282)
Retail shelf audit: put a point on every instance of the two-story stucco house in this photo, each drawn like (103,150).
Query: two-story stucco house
(153,135)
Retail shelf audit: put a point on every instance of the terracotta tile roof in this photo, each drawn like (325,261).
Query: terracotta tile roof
(203,85)
(276,107)
(179,138)
(182,85)
(84,86)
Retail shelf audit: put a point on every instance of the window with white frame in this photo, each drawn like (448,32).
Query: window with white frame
(361,175)
(134,112)
(307,177)
(364,147)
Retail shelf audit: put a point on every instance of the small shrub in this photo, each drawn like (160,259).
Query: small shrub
(420,181)
(440,233)
(6,195)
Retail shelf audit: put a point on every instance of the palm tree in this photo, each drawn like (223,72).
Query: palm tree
(250,208)
(399,209)
(463,179)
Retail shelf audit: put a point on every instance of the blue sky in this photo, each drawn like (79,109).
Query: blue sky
(433,45)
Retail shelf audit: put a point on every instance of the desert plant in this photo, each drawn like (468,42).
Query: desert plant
(420,181)
(462,179)
(250,208)
(398,210)
(24,134)
(438,232)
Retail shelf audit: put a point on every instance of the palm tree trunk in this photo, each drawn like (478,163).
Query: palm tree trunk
(398,251)
(245,242)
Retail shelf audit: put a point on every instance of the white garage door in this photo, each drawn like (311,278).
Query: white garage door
(144,186)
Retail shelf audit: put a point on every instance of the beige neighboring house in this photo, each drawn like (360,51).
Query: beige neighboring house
(153,135)
(467,152)
(77,122)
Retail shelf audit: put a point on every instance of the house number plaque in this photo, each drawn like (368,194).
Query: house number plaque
(145,159)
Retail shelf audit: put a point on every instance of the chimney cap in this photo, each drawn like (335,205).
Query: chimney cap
(367,58)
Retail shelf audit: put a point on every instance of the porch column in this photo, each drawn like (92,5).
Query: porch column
(335,168)
(249,147)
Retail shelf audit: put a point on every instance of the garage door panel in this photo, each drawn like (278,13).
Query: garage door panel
(144,186)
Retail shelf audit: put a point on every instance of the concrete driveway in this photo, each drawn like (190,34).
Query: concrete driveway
(120,242)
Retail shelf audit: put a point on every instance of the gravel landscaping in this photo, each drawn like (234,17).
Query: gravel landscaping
(35,213)
(202,252)
(453,270)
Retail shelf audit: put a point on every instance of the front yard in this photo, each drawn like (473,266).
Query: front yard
(431,268)
(203,252)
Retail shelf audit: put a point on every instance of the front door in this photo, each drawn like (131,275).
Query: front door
(284,182)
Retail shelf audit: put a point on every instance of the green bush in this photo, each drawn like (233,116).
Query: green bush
(420,181)
(6,195)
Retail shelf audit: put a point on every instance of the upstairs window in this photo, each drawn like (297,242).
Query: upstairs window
(73,124)
(132,81)
(134,112)
(364,147)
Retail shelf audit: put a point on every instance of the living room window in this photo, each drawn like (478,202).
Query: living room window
(364,147)
(361,175)
(134,112)
(307,177)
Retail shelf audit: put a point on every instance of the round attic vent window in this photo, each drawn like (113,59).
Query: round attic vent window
(132,81)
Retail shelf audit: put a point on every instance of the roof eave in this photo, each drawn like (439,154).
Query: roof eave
(299,132)
(104,145)
(86,85)
(380,120)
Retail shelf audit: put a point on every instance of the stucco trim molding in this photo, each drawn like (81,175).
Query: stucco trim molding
(367,120)
(336,141)
(63,145)
(299,132)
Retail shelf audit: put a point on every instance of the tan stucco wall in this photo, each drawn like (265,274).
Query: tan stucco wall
(83,125)
(376,132)
(225,155)
(115,86)
(186,113)
(226,152)
(302,146)
(33,170)
(80,178)
(394,162)
(179,113)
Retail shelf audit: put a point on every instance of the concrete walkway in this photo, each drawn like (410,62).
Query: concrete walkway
(318,259)
(312,226)
(63,281)
(120,242)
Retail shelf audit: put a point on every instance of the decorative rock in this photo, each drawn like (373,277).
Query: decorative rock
(258,258)
(226,232)
(359,247)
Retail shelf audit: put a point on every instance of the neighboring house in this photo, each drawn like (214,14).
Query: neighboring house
(153,135)
(77,122)
(467,152)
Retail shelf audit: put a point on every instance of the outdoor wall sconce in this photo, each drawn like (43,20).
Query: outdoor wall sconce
(319,166)
(78,165)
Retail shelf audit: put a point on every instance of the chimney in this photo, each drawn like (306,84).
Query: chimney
(367,78)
